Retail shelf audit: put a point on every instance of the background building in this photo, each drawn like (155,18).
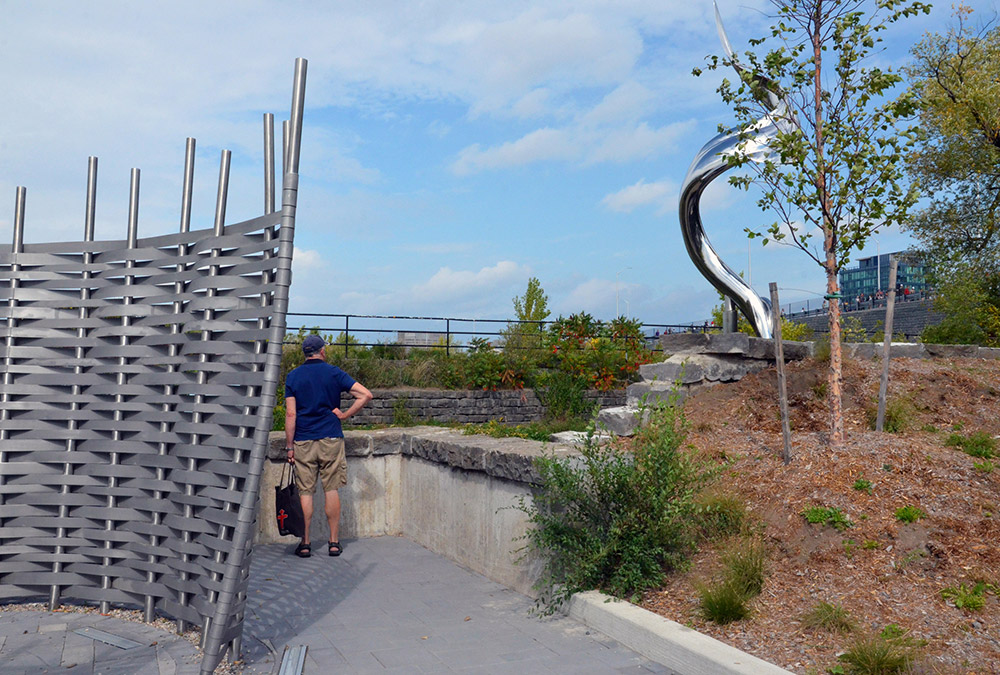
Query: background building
(872,275)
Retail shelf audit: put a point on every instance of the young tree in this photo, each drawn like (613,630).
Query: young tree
(523,340)
(534,304)
(835,168)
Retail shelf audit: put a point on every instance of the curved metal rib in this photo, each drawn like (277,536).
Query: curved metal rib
(709,164)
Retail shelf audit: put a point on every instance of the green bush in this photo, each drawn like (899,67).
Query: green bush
(721,514)
(401,415)
(822,515)
(727,598)
(863,485)
(611,519)
(723,602)
(745,564)
(909,514)
(964,597)
(979,444)
(828,616)
(562,394)
(898,415)
(886,653)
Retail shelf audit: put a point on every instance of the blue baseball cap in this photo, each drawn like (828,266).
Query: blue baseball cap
(312,344)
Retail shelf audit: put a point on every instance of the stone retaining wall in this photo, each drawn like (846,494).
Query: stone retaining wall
(466,406)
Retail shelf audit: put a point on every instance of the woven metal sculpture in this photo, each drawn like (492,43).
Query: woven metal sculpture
(138,382)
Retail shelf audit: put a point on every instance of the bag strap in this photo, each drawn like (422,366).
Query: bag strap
(281,483)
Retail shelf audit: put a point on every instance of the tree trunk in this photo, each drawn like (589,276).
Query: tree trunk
(836,376)
(829,238)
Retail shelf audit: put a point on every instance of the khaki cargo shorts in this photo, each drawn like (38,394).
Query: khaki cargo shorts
(325,457)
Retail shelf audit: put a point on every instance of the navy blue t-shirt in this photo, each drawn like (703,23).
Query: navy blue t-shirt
(316,387)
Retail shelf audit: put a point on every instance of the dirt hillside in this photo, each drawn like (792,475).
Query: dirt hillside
(881,570)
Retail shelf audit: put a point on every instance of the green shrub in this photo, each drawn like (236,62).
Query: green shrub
(822,515)
(887,653)
(401,415)
(909,514)
(984,466)
(862,485)
(744,566)
(852,330)
(612,519)
(963,597)
(898,415)
(821,348)
(722,602)
(979,444)
(727,598)
(562,394)
(721,514)
(828,616)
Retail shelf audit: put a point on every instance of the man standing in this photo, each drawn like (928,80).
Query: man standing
(314,438)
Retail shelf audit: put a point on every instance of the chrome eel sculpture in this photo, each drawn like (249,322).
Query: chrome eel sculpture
(710,163)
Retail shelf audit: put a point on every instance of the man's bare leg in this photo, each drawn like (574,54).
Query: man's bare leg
(307,512)
(333,513)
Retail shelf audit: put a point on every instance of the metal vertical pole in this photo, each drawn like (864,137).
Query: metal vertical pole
(347,334)
(242,536)
(182,251)
(206,336)
(779,360)
(729,316)
(268,163)
(447,337)
(116,434)
(88,257)
(886,347)
(8,379)
(223,194)
(284,146)
(168,389)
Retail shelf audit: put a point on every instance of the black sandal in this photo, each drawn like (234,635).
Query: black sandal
(303,550)
(334,548)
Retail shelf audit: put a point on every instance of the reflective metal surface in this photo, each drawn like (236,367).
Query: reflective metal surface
(710,163)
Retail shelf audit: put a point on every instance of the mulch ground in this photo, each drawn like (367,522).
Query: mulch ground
(881,570)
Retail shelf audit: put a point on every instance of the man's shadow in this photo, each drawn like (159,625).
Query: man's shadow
(286,594)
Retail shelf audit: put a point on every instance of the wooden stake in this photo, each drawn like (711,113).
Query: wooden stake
(779,359)
(886,347)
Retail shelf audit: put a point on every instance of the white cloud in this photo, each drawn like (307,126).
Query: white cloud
(303,260)
(637,142)
(626,102)
(575,142)
(662,194)
(540,145)
(453,284)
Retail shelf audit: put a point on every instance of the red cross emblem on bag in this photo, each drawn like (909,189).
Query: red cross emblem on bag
(282,517)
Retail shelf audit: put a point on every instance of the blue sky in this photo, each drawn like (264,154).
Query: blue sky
(451,150)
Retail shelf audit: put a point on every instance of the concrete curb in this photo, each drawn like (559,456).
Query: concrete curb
(678,647)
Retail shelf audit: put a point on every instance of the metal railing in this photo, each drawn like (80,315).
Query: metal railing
(369,330)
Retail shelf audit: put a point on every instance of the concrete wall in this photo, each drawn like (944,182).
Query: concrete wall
(451,493)
(466,406)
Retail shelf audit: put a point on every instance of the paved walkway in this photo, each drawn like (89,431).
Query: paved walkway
(35,642)
(387,605)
